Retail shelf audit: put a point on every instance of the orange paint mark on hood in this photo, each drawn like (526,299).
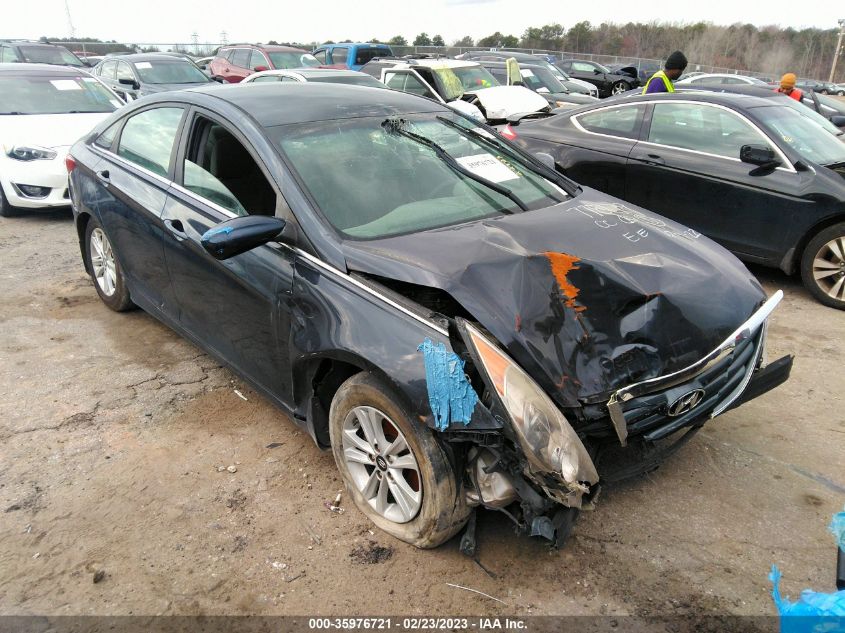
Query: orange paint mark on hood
(561,264)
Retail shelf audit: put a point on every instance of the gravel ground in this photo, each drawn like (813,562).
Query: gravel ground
(116,494)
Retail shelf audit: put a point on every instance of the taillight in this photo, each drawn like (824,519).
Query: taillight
(508,132)
(70,163)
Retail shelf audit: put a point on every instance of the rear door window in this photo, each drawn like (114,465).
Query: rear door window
(148,138)
(622,121)
(405,81)
(366,53)
(339,55)
(241,57)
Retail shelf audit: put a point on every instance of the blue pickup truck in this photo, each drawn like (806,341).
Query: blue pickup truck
(350,55)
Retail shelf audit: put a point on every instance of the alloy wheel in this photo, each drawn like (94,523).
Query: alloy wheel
(103,262)
(618,88)
(829,268)
(382,465)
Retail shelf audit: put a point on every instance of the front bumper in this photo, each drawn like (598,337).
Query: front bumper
(728,376)
(49,174)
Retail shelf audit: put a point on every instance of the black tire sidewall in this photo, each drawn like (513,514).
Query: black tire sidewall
(820,239)
(443,511)
(6,209)
(119,300)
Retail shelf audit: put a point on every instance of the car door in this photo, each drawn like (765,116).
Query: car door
(586,72)
(687,168)
(133,180)
(339,56)
(106,72)
(237,308)
(239,68)
(592,148)
(409,80)
(258,62)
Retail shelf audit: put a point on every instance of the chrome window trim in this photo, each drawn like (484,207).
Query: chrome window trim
(119,159)
(296,250)
(744,331)
(577,124)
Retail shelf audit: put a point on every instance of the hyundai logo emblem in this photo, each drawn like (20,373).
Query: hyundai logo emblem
(685,403)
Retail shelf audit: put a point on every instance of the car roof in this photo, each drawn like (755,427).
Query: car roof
(730,99)
(345,44)
(315,72)
(272,104)
(149,57)
(39,69)
(272,48)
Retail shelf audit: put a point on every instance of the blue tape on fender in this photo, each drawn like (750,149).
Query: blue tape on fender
(222,229)
(837,528)
(451,397)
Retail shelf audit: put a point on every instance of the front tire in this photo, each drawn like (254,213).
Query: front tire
(395,469)
(823,266)
(6,210)
(618,88)
(105,269)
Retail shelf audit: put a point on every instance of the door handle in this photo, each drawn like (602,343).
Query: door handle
(652,159)
(176,228)
(103,175)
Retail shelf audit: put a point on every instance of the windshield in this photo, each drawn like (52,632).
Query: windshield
(54,95)
(603,69)
(50,55)
(170,72)
(292,59)
(355,80)
(339,161)
(811,114)
(448,84)
(540,79)
(802,134)
(475,77)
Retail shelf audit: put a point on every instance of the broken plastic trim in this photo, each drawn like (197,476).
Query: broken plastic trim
(743,332)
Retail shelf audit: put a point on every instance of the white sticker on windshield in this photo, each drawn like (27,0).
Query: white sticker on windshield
(526,72)
(488,167)
(143,65)
(89,80)
(542,89)
(65,84)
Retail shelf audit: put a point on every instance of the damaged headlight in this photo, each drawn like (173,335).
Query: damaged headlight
(29,152)
(546,437)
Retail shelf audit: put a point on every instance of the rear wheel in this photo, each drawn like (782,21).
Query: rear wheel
(823,266)
(105,269)
(395,469)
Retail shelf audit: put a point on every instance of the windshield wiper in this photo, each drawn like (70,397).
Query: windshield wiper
(539,168)
(395,126)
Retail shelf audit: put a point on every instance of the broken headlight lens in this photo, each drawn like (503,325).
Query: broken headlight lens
(29,152)
(546,437)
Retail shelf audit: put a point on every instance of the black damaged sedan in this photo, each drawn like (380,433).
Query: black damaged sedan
(461,325)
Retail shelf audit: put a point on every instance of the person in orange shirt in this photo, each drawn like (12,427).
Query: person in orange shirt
(787,87)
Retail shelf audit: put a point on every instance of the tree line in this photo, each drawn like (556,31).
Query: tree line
(770,49)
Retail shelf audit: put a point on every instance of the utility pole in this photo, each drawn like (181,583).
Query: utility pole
(72,31)
(838,49)
(224,38)
(195,38)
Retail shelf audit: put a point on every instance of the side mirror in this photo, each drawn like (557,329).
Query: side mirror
(259,69)
(129,82)
(838,120)
(758,155)
(241,234)
(596,71)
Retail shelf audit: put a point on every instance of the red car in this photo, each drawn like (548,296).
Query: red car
(238,61)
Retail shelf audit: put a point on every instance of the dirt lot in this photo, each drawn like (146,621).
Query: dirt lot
(113,432)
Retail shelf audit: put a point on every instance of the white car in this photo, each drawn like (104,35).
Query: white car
(43,111)
(320,75)
(463,85)
(721,78)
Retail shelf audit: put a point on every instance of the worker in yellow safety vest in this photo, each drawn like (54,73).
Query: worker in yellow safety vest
(661,81)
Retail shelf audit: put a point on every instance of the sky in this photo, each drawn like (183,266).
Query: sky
(174,21)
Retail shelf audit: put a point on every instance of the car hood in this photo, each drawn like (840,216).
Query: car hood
(500,102)
(47,130)
(571,97)
(588,296)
